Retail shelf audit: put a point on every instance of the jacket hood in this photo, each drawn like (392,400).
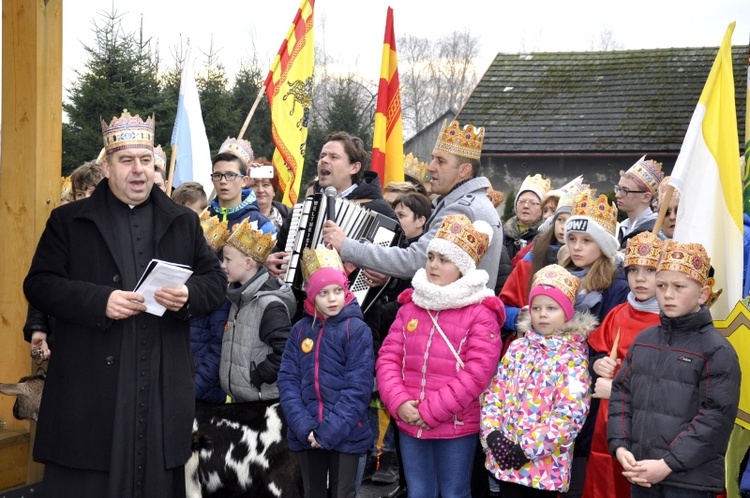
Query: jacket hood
(368,188)
(581,324)
(249,203)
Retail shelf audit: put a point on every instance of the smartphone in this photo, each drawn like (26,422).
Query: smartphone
(264,171)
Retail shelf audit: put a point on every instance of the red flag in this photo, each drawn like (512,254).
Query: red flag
(388,136)
(289,91)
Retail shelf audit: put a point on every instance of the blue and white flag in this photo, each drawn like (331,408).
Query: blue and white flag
(193,162)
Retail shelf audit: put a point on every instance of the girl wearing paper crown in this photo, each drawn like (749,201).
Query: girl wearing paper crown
(538,400)
(543,252)
(439,356)
(325,380)
(609,342)
(591,254)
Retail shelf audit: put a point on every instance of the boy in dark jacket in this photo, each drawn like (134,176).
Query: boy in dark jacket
(326,379)
(675,398)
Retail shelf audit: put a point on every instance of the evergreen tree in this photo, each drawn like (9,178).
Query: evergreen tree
(247,84)
(219,117)
(121,73)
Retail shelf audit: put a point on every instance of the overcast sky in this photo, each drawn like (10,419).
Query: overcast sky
(352,30)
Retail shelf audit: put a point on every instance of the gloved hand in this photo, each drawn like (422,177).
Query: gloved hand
(255,379)
(507,454)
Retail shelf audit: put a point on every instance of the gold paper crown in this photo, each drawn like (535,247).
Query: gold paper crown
(160,157)
(216,232)
(128,131)
(663,186)
(496,197)
(713,295)
(558,277)
(690,258)
(648,172)
(568,198)
(457,228)
(598,210)
(537,184)
(250,241)
(66,189)
(570,189)
(414,168)
(644,249)
(466,142)
(314,260)
(240,148)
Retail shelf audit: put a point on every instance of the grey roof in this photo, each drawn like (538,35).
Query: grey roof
(593,102)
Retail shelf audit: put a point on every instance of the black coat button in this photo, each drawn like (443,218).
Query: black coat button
(116,278)
(110,360)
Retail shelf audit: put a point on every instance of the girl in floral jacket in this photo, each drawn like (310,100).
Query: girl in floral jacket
(538,400)
(439,356)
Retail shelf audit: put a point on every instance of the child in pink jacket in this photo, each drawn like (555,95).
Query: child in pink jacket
(439,356)
(538,400)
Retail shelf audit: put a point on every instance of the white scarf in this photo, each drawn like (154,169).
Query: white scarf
(469,289)
(648,306)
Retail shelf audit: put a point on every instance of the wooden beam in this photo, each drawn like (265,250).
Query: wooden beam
(30,165)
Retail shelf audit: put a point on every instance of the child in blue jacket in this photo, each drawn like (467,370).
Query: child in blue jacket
(326,380)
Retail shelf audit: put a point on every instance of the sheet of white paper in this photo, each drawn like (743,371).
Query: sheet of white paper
(160,274)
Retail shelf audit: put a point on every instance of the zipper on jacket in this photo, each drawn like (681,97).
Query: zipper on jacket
(231,353)
(317,374)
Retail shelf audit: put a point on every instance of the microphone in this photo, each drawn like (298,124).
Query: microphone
(330,193)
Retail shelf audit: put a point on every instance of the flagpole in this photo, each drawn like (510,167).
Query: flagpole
(172,161)
(261,92)
(663,210)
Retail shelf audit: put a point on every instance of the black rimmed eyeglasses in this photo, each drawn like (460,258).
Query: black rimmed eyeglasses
(626,191)
(229,176)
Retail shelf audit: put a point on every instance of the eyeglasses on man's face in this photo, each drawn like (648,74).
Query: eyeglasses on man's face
(626,191)
(229,176)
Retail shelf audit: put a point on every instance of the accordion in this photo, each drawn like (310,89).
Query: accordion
(357,222)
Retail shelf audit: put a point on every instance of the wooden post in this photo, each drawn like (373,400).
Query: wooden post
(30,169)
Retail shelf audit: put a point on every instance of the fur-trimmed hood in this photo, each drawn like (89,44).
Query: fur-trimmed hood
(582,324)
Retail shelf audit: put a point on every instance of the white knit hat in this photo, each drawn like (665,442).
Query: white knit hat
(461,241)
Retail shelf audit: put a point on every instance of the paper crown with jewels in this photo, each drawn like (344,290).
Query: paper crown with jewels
(663,186)
(689,258)
(66,189)
(644,249)
(250,241)
(322,257)
(536,184)
(570,189)
(160,157)
(565,203)
(597,209)
(558,277)
(216,232)
(415,169)
(496,197)
(648,172)
(466,142)
(240,148)
(128,131)
(461,241)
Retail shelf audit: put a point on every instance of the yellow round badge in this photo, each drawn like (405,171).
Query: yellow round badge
(412,325)
(307,345)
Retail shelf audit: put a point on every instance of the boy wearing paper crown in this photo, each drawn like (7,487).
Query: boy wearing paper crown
(538,399)
(635,192)
(259,320)
(439,356)
(326,379)
(675,398)
(609,342)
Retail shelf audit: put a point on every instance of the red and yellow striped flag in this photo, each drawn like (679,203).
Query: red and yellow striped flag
(388,137)
(289,91)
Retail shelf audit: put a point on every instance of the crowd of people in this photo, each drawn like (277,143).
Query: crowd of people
(558,354)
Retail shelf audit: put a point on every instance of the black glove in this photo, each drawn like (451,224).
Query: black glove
(507,454)
(255,379)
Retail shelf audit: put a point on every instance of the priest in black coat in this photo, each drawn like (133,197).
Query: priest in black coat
(118,403)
